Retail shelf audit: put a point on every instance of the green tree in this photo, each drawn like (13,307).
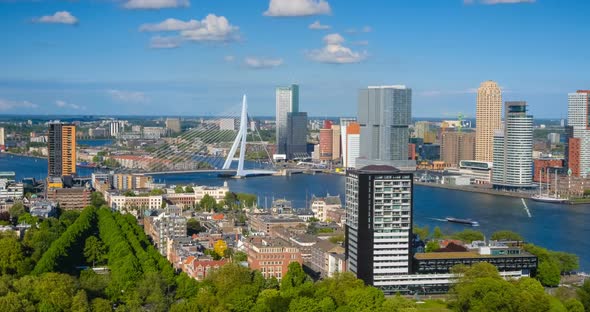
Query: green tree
(231,200)
(12,302)
(80,302)
(27,218)
(16,210)
(294,278)
(179,189)
(584,294)
(422,232)
(193,226)
(55,291)
(207,202)
(506,236)
(574,305)
(11,255)
(189,189)
(97,200)
(437,233)
(432,246)
(469,236)
(398,303)
(567,262)
(240,256)
(68,217)
(548,273)
(101,305)
(337,239)
(94,250)
(156,192)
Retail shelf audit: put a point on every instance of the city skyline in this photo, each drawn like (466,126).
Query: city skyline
(63,58)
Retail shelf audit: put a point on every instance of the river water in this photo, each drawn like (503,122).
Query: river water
(557,227)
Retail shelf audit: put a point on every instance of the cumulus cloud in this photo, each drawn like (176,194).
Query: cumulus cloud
(492,2)
(6,105)
(318,26)
(64,104)
(262,63)
(334,52)
(128,96)
(171,24)
(155,4)
(297,8)
(159,42)
(212,28)
(61,17)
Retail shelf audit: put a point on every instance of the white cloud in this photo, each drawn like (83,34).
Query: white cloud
(61,17)
(229,58)
(318,26)
(64,104)
(335,53)
(159,42)
(155,4)
(297,8)
(171,24)
(128,96)
(6,105)
(492,2)
(261,63)
(212,28)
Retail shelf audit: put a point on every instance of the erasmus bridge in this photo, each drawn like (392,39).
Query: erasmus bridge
(203,149)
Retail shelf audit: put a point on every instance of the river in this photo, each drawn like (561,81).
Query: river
(557,227)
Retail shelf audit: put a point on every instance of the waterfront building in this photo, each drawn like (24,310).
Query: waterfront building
(123,181)
(173,125)
(116,127)
(384,115)
(296,135)
(457,146)
(322,205)
(217,192)
(336,142)
(2,140)
(344,123)
(478,172)
(326,142)
(488,119)
(352,148)
(287,101)
(543,166)
(169,224)
(378,227)
(513,149)
(554,138)
(271,256)
(61,160)
(579,121)
(97,132)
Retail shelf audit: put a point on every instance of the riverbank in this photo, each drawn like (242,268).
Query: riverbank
(25,155)
(474,190)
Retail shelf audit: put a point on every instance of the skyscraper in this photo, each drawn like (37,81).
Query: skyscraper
(287,101)
(296,135)
(513,149)
(378,230)
(488,119)
(578,119)
(344,122)
(61,149)
(326,141)
(352,149)
(173,125)
(384,115)
(2,142)
(335,142)
(457,146)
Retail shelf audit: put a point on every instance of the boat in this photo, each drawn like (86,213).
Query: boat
(462,221)
(547,197)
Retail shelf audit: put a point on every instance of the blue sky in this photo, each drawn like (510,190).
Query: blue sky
(117,57)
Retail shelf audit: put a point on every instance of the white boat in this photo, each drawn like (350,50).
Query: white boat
(547,197)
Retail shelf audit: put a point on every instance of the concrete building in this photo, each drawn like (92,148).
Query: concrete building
(98,132)
(287,101)
(169,224)
(543,166)
(327,258)
(579,121)
(2,140)
(115,127)
(352,147)
(173,125)
(296,135)
(554,138)
(263,223)
(271,256)
(228,124)
(336,150)
(10,190)
(75,198)
(457,146)
(479,172)
(153,132)
(344,123)
(384,115)
(121,202)
(326,142)
(378,227)
(322,205)
(43,209)
(421,128)
(488,119)
(217,192)
(61,160)
(513,149)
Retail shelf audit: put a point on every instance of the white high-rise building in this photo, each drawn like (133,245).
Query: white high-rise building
(344,122)
(115,128)
(287,101)
(513,149)
(579,119)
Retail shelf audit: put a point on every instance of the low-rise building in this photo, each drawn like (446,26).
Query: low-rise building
(122,202)
(167,225)
(271,256)
(43,209)
(479,172)
(217,192)
(10,190)
(321,205)
(265,222)
(327,258)
(75,198)
(199,267)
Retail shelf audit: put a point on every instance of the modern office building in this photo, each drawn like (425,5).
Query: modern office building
(115,127)
(352,150)
(296,135)
(578,119)
(378,228)
(61,149)
(336,142)
(513,149)
(344,122)
(384,115)
(326,141)
(173,125)
(421,128)
(488,119)
(2,140)
(287,101)
(457,146)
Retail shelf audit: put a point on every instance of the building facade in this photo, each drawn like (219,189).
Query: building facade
(488,119)
(296,135)
(344,123)
(578,119)
(378,227)
(457,146)
(353,142)
(513,149)
(272,256)
(287,101)
(173,125)
(61,148)
(384,115)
